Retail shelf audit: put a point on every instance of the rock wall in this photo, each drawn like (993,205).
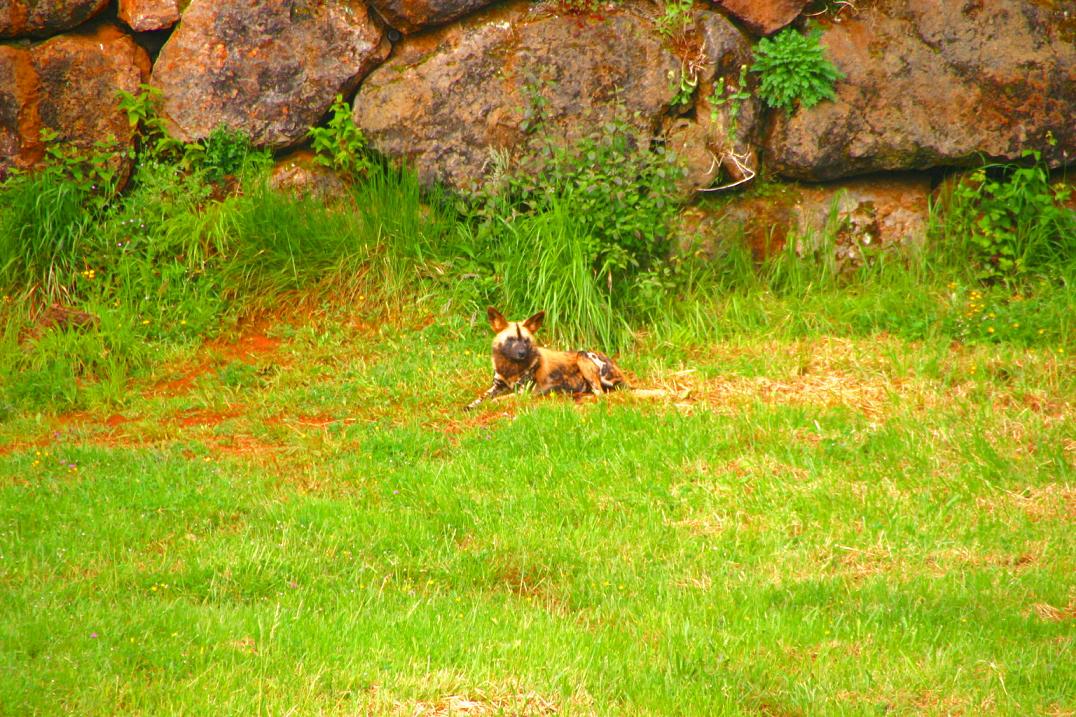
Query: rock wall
(37,91)
(932,84)
(457,87)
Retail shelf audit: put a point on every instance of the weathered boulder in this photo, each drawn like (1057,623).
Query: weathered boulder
(936,83)
(458,101)
(409,16)
(766,16)
(269,69)
(149,15)
(300,174)
(67,84)
(41,18)
(860,215)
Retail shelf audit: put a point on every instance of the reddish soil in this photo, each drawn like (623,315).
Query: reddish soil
(204,417)
(303,419)
(249,347)
(180,385)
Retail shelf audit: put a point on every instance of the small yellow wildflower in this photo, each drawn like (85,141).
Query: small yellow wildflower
(145,321)
(1016,324)
(989,329)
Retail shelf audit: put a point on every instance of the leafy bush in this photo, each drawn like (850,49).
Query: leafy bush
(1014,222)
(340,145)
(793,67)
(224,153)
(626,194)
(582,232)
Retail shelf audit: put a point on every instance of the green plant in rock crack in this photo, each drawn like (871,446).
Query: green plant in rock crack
(143,115)
(683,86)
(676,19)
(733,97)
(340,145)
(536,108)
(794,68)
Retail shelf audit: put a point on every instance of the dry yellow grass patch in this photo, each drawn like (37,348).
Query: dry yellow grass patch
(524,705)
(870,375)
(458,698)
(1052,501)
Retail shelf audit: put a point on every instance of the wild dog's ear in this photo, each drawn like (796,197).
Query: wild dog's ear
(535,322)
(497,322)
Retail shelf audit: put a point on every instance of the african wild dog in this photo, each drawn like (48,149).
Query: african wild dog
(518,362)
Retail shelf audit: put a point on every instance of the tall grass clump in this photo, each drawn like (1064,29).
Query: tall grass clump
(583,232)
(46,217)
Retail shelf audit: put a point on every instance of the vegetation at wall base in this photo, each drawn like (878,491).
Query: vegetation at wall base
(199,241)
(1015,223)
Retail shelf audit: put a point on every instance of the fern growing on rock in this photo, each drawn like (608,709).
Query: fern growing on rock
(794,68)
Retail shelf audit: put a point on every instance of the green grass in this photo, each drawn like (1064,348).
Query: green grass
(309,523)
(249,487)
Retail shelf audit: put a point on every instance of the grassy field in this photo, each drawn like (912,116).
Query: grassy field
(236,476)
(298,518)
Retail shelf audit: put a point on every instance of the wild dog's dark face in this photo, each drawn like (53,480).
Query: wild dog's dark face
(514,340)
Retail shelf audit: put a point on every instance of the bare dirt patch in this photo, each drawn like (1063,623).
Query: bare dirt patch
(249,347)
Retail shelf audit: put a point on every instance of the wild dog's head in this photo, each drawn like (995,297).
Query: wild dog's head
(514,340)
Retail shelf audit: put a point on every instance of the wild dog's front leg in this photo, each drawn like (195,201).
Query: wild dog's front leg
(499,388)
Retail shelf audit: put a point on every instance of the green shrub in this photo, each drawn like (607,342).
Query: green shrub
(1013,223)
(582,232)
(340,145)
(793,67)
(225,152)
(626,194)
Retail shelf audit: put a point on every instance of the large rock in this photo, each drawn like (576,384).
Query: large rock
(938,83)
(270,69)
(302,175)
(41,18)
(67,84)
(149,15)
(763,16)
(408,16)
(852,218)
(461,101)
